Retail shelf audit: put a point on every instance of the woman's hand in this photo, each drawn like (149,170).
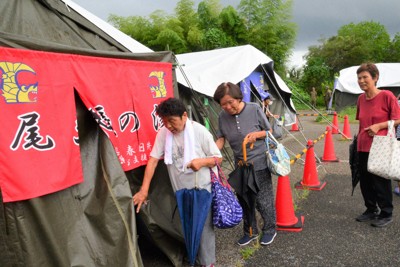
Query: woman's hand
(139,198)
(373,129)
(195,164)
(251,137)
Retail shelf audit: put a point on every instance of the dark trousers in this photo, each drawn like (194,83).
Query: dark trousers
(265,205)
(376,191)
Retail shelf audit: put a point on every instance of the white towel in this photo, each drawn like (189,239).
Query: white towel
(188,140)
(168,148)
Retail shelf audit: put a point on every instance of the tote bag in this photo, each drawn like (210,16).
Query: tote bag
(384,155)
(278,160)
(226,209)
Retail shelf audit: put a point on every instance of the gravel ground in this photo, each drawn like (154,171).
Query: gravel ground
(330,235)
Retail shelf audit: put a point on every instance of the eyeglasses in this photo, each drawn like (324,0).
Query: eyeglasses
(229,102)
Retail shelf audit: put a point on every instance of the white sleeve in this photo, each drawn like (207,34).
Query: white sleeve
(159,144)
(207,142)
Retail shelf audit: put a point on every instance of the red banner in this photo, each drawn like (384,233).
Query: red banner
(39,148)
(122,96)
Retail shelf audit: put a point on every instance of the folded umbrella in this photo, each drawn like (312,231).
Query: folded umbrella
(353,160)
(243,180)
(194,206)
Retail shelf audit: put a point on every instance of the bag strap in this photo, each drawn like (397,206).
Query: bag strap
(391,132)
(266,139)
(270,138)
(220,178)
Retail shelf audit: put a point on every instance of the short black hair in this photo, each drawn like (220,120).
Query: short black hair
(171,107)
(227,88)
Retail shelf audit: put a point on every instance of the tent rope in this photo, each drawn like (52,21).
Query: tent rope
(202,110)
(129,234)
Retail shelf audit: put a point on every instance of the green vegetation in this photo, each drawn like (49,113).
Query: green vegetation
(299,196)
(350,112)
(301,99)
(249,251)
(265,24)
(354,44)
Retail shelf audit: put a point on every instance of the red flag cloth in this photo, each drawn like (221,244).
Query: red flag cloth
(122,96)
(39,149)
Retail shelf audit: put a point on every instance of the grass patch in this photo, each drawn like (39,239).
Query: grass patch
(300,196)
(350,112)
(249,251)
(323,119)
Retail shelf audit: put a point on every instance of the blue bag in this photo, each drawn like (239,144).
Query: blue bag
(226,209)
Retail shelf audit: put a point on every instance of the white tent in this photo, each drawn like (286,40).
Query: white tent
(347,90)
(207,69)
(204,71)
(389,76)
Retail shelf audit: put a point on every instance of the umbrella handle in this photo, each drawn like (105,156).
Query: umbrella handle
(245,142)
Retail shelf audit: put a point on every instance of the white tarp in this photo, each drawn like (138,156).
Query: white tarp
(125,40)
(389,76)
(208,69)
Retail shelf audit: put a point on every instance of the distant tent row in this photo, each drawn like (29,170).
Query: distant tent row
(347,89)
(93,223)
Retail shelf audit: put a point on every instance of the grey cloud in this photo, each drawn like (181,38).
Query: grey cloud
(323,18)
(316,19)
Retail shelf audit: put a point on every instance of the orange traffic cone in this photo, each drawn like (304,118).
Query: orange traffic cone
(295,127)
(286,220)
(335,127)
(329,150)
(346,128)
(310,175)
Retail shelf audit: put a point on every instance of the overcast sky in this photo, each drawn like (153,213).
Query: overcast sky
(315,18)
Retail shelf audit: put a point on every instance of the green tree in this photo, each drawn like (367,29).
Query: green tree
(208,11)
(233,25)
(159,32)
(373,39)
(139,28)
(263,23)
(394,50)
(270,28)
(215,38)
(354,44)
(252,12)
(195,39)
(169,40)
(187,16)
(168,33)
(315,72)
